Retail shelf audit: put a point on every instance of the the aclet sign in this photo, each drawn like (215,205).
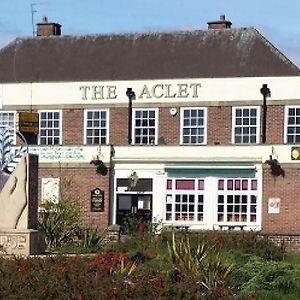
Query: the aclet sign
(157,91)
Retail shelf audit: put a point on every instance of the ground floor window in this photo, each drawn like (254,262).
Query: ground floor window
(185,199)
(237,200)
(229,201)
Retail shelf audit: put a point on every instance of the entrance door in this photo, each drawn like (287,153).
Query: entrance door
(135,206)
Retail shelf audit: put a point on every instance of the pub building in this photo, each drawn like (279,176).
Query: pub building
(195,129)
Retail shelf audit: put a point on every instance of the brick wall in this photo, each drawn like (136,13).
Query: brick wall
(275,124)
(289,242)
(219,118)
(118,126)
(219,125)
(288,190)
(219,121)
(169,127)
(72,126)
(76,182)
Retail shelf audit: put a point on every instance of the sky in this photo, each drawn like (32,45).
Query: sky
(277,20)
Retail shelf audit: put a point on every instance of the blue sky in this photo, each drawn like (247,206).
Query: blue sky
(277,20)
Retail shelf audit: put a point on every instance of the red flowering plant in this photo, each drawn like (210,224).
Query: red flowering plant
(111,262)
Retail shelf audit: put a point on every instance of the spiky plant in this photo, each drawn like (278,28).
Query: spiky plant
(9,157)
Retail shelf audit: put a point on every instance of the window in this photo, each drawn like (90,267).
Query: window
(145,126)
(96,126)
(237,200)
(292,124)
(245,125)
(184,200)
(7,119)
(50,128)
(193,125)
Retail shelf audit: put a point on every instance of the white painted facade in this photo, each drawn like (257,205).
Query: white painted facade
(166,91)
(154,161)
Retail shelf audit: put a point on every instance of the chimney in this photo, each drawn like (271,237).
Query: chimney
(220,24)
(47,29)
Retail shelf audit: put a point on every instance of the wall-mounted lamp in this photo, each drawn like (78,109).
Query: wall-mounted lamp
(274,164)
(101,168)
(133,179)
(131,96)
(265,91)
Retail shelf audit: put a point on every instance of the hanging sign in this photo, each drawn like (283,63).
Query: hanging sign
(28,122)
(295,153)
(97,200)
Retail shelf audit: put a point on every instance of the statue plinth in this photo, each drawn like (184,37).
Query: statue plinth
(21,242)
(19,234)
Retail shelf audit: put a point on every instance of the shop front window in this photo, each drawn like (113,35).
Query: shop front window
(184,200)
(237,200)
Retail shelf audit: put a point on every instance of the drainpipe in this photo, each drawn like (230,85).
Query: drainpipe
(265,91)
(131,95)
(111,184)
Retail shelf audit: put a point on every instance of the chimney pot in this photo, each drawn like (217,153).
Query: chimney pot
(222,17)
(44,19)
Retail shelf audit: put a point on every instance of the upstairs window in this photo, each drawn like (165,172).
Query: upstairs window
(96,127)
(245,125)
(50,127)
(193,125)
(145,126)
(292,124)
(8,120)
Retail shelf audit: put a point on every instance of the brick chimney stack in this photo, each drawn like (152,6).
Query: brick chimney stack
(220,24)
(48,29)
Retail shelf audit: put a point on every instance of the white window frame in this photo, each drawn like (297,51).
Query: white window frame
(195,192)
(287,107)
(234,109)
(60,125)
(240,192)
(155,126)
(13,129)
(86,111)
(182,109)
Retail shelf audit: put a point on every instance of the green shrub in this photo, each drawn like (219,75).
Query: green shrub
(92,239)
(59,222)
(202,261)
(258,274)
(248,242)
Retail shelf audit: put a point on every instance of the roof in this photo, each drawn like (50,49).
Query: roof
(241,52)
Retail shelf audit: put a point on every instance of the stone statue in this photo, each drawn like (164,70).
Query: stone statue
(18,200)
(13,196)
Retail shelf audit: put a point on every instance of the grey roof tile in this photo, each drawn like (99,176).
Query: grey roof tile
(241,52)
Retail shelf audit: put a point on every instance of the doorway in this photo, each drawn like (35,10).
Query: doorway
(138,206)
